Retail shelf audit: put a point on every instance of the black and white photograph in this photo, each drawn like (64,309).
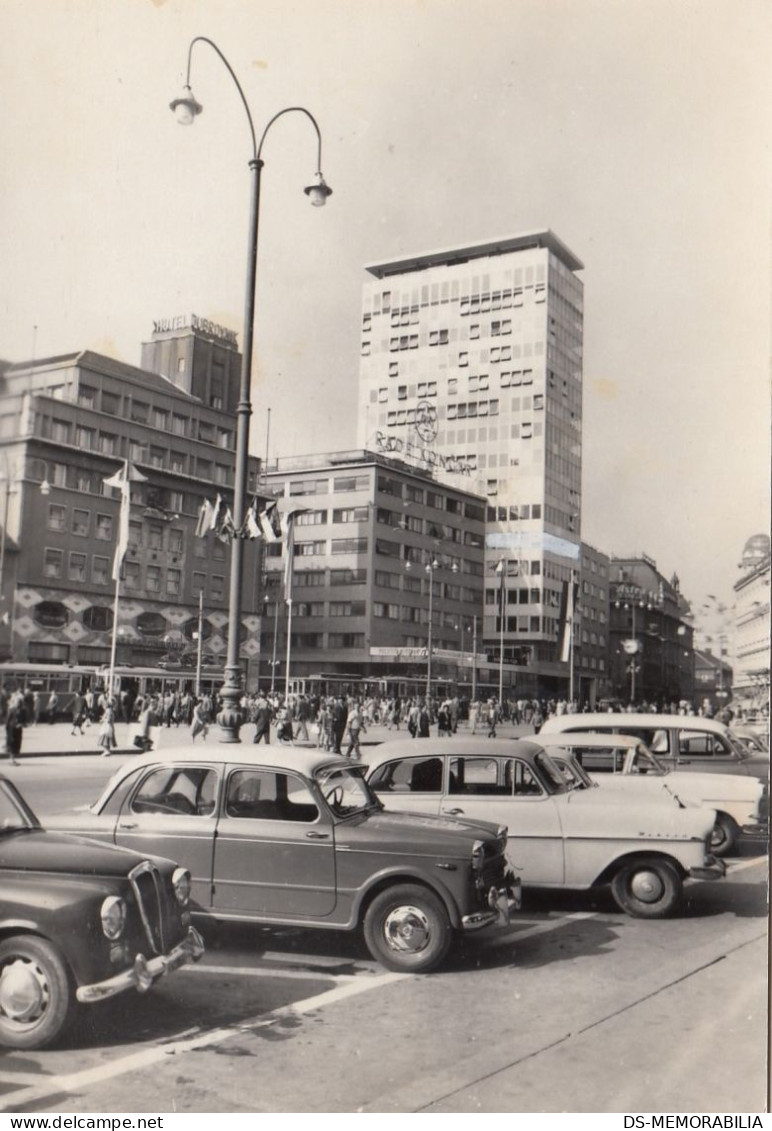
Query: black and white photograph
(385,386)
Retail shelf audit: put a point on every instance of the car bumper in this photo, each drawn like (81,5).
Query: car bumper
(144,971)
(502,902)
(713,869)
(758,830)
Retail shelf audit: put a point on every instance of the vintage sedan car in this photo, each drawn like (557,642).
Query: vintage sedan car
(79,922)
(295,836)
(559,836)
(681,742)
(623,762)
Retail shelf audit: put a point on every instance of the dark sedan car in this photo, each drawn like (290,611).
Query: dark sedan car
(79,922)
(278,835)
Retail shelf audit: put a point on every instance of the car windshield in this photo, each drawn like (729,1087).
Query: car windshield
(575,776)
(740,746)
(644,762)
(345,790)
(14,812)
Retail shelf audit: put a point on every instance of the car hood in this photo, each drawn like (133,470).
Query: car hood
(592,812)
(37,850)
(414,832)
(702,788)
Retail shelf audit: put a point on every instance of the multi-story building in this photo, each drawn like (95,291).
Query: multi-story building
(472,366)
(387,579)
(713,679)
(651,646)
(66,424)
(591,628)
(752,628)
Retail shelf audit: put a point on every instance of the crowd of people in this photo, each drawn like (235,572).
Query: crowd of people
(333,722)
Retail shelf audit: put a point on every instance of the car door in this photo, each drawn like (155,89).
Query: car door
(709,753)
(274,852)
(171,811)
(508,792)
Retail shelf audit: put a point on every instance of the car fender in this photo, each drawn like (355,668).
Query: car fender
(390,877)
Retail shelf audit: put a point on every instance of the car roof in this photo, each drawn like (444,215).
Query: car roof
(558,723)
(304,759)
(452,747)
(582,738)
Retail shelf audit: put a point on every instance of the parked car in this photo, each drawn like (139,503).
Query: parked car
(681,742)
(623,763)
(79,922)
(295,836)
(752,738)
(559,837)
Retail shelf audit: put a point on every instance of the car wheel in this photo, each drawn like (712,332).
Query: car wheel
(724,835)
(35,993)
(407,929)
(647,889)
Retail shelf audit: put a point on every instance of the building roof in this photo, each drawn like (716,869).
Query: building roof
(451,256)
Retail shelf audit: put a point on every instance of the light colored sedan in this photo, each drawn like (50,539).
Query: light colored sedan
(561,835)
(624,764)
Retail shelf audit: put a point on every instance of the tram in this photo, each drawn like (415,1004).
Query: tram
(158,681)
(64,679)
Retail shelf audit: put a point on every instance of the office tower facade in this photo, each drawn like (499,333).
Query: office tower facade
(472,366)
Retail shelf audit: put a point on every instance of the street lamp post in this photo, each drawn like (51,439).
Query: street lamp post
(186,109)
(430,567)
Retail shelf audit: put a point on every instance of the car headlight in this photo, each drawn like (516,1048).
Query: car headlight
(113,916)
(478,855)
(181,885)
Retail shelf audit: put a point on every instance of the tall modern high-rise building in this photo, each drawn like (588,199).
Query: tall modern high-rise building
(472,366)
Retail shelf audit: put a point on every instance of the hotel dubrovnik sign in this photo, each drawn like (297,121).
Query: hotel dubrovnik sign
(202,325)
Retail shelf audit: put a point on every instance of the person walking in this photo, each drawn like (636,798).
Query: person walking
(262,720)
(492,718)
(14,728)
(106,736)
(199,722)
(355,727)
(78,712)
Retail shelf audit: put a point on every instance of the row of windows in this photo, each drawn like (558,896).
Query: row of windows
(156,578)
(386,485)
(91,439)
(514,513)
(174,423)
(475,287)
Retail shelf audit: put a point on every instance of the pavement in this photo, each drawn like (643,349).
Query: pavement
(46,740)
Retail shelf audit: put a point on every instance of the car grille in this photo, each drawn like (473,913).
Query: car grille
(147,885)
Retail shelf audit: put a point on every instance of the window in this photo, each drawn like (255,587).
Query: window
(52,563)
(111,403)
(179,425)
(76,570)
(161,419)
(57,517)
(308,487)
(349,546)
(199,582)
(153,579)
(347,608)
(350,514)
(87,396)
(264,795)
(108,444)
(175,541)
(131,574)
(155,536)
(60,431)
(218,587)
(409,775)
(346,640)
(174,581)
(139,412)
(81,522)
(85,438)
(100,570)
(348,576)
(188,791)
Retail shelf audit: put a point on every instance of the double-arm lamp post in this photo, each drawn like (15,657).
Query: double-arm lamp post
(430,569)
(186,109)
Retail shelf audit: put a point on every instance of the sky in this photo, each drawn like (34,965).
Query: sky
(637,130)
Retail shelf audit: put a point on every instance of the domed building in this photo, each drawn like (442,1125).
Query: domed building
(752,629)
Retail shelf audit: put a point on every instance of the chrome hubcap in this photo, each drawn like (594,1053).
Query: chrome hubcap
(647,886)
(24,992)
(407,929)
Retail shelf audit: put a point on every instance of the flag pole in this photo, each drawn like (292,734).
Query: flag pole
(200,639)
(114,642)
(501,635)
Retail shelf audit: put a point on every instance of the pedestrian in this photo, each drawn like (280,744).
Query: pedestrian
(443,720)
(492,718)
(284,729)
(78,712)
(355,727)
(199,722)
(14,728)
(106,735)
(53,706)
(424,720)
(262,720)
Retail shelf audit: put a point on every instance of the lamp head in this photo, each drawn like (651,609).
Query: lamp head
(318,192)
(185,107)
(45,487)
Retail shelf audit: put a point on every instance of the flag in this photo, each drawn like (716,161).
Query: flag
(566,621)
(268,520)
(287,527)
(250,527)
(204,524)
(121,481)
(226,529)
